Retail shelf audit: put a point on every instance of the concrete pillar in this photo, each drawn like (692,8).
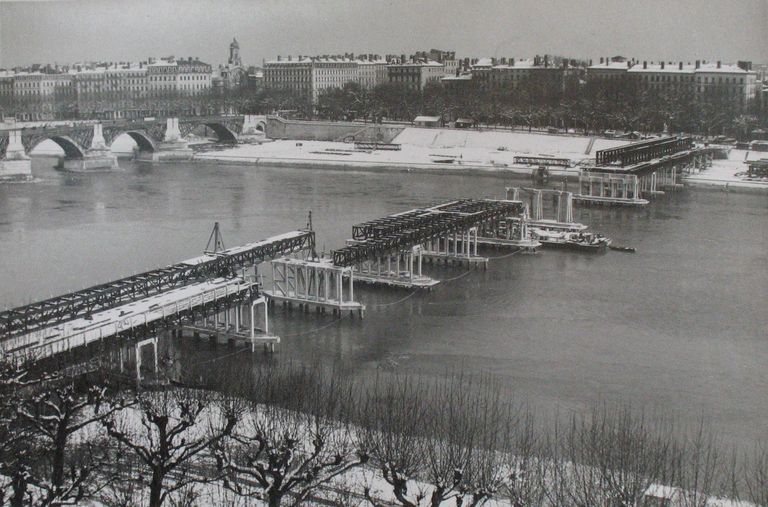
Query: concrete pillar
(15,149)
(172,132)
(98,142)
(253,325)
(419,261)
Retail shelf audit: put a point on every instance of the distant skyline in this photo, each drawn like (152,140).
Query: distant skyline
(68,31)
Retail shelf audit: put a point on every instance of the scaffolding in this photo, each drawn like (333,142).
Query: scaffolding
(313,283)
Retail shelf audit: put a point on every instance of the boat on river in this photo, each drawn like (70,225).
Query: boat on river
(581,241)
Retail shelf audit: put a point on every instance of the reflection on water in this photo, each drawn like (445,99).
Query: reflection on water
(680,325)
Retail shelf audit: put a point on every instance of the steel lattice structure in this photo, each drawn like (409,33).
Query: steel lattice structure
(405,230)
(643,151)
(83,303)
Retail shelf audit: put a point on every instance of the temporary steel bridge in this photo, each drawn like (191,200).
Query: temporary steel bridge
(405,230)
(644,151)
(84,303)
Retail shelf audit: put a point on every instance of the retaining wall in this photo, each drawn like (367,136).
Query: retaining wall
(278,128)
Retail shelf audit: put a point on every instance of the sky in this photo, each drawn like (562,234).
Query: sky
(67,31)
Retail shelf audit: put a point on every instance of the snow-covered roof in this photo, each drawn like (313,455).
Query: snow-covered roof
(291,61)
(609,66)
(427,118)
(730,69)
(428,63)
(462,77)
(668,68)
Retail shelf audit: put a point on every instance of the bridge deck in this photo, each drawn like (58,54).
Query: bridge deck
(414,227)
(173,304)
(100,297)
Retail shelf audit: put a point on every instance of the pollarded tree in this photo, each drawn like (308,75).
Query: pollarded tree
(394,418)
(289,447)
(52,416)
(168,429)
(16,449)
(436,442)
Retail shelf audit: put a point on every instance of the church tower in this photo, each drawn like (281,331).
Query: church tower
(234,54)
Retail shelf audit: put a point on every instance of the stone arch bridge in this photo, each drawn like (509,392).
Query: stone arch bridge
(86,144)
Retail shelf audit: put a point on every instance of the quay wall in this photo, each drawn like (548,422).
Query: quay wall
(305,130)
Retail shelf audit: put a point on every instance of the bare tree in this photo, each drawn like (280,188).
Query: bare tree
(525,467)
(394,416)
(16,453)
(755,476)
(700,463)
(436,442)
(288,447)
(167,429)
(53,416)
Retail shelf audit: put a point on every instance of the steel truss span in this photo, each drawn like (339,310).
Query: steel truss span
(643,151)
(411,228)
(100,297)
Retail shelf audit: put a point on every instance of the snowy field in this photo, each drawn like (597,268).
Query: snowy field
(421,148)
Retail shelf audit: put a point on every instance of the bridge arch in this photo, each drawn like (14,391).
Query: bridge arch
(223,132)
(71,148)
(142,140)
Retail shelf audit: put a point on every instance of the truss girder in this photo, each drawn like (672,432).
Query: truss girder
(398,232)
(82,303)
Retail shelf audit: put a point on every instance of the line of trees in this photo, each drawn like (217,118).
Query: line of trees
(539,102)
(284,435)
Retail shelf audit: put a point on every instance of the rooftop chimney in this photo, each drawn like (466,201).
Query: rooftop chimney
(645,64)
(662,64)
(698,63)
(718,64)
(278,58)
(680,66)
(512,62)
(546,60)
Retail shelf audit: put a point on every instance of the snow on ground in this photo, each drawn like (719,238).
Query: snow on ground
(521,143)
(726,172)
(420,148)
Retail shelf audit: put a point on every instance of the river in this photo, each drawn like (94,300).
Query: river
(680,326)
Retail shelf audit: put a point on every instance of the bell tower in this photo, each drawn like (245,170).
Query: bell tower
(234,54)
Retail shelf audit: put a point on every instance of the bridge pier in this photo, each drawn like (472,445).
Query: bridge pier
(96,158)
(173,147)
(254,129)
(16,164)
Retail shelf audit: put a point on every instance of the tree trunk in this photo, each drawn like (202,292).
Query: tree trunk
(59,446)
(156,489)
(275,498)
(19,486)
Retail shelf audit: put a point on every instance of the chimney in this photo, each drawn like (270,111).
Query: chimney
(601,59)
(718,64)
(278,58)
(546,60)
(698,63)
(512,62)
(402,58)
(662,65)
(493,61)
(590,62)
(645,64)
(629,64)
(680,66)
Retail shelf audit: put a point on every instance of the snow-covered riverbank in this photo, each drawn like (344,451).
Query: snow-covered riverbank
(427,150)
(727,174)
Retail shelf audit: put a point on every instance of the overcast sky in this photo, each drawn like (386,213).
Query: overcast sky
(115,30)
